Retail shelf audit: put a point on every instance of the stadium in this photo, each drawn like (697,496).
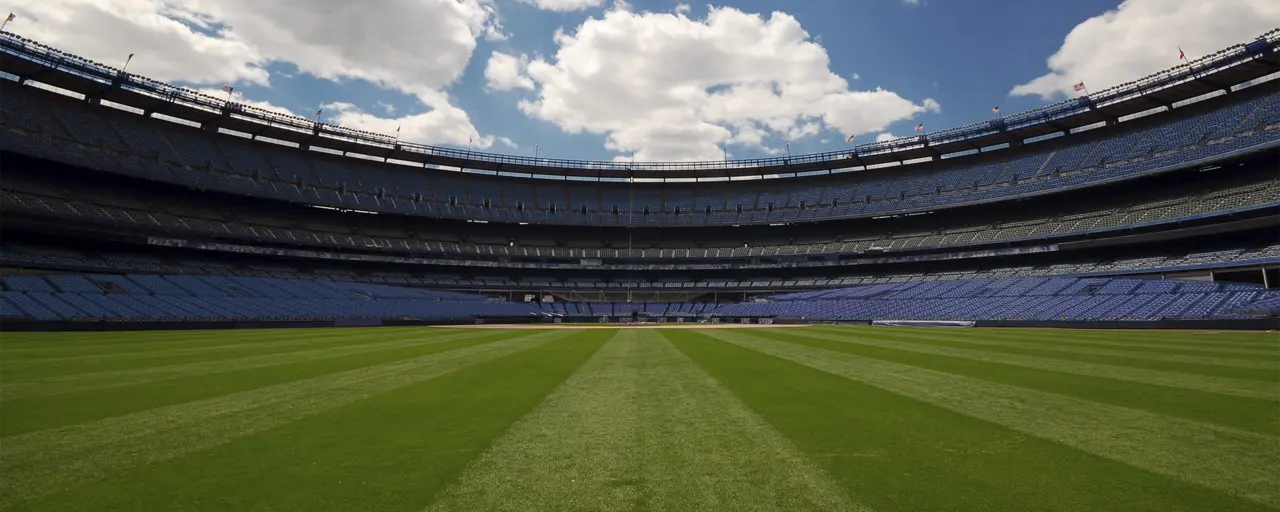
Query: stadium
(221,307)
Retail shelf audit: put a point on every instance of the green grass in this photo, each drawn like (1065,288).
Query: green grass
(817,418)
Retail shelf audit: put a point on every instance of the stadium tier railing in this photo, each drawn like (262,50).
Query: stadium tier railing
(17,47)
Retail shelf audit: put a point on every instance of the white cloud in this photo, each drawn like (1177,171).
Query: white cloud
(386,107)
(683,8)
(420,50)
(885,136)
(446,124)
(668,87)
(564,5)
(506,72)
(1141,37)
(108,31)
(238,97)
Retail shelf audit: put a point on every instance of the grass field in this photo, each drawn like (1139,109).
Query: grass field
(792,419)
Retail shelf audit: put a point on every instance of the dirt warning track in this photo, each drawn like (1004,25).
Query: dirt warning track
(623,326)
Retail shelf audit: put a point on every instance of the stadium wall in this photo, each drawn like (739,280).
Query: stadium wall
(1232,324)
(83,326)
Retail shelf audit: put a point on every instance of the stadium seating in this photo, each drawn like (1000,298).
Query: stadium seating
(28,192)
(118,217)
(1042,299)
(73,297)
(129,144)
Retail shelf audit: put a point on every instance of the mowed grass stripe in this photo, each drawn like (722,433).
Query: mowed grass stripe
(1259,368)
(1248,388)
(983,338)
(1248,413)
(230,342)
(90,381)
(1224,339)
(641,427)
(1228,460)
(34,413)
(27,371)
(390,450)
(1160,346)
(60,344)
(1170,342)
(41,463)
(900,453)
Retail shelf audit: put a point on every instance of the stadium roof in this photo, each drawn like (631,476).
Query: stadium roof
(1221,71)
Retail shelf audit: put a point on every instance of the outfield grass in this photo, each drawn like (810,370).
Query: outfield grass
(793,419)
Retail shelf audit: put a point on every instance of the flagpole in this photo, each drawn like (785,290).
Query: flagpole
(126,63)
(6,21)
(535,151)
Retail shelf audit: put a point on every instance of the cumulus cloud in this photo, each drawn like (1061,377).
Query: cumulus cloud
(506,72)
(237,97)
(885,137)
(420,50)
(1141,37)
(446,124)
(564,5)
(663,86)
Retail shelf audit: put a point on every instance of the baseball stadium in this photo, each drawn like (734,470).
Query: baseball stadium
(206,305)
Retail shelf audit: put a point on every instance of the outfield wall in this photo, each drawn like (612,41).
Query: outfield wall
(1250,324)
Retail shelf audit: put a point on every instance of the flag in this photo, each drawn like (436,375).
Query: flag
(11,17)
(1181,55)
(397,129)
(228,89)
(1078,87)
(920,127)
(318,111)
(996,109)
(849,139)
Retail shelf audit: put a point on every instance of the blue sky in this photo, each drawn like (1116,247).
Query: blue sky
(959,55)
(889,64)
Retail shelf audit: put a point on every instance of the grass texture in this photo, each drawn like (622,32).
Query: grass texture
(791,419)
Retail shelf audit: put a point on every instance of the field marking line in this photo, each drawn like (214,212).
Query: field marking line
(1230,460)
(39,463)
(641,425)
(98,380)
(1222,385)
(1207,359)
